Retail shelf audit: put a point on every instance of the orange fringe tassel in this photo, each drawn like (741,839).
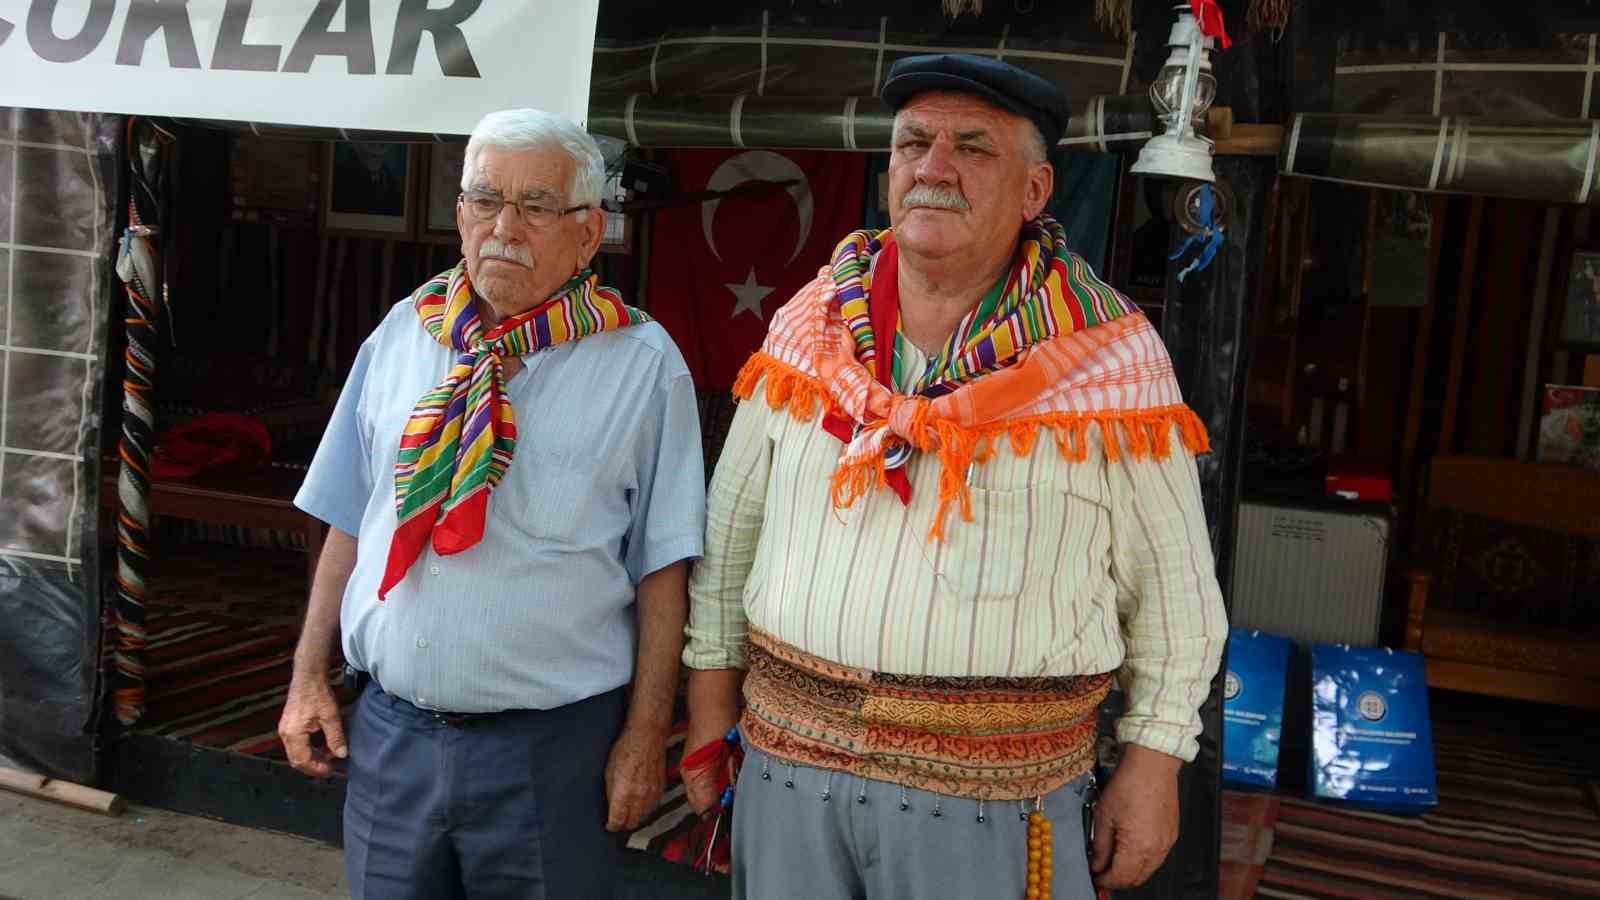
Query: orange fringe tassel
(1138,433)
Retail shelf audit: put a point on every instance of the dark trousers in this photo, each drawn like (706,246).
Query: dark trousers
(509,806)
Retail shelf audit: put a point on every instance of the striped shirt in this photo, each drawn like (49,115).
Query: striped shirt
(1067,568)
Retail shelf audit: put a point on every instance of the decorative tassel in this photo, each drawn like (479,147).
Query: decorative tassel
(707,846)
(1137,434)
(786,388)
(1268,15)
(1041,865)
(1115,16)
(954,8)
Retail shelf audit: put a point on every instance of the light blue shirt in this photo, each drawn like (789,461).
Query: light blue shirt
(606,486)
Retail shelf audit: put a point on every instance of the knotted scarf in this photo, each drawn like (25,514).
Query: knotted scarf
(1056,348)
(460,438)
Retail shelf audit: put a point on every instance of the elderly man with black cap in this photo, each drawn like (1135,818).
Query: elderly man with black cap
(960,498)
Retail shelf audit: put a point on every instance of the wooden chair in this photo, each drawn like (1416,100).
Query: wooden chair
(1488,655)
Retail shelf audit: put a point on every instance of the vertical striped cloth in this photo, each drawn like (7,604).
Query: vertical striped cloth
(460,438)
(1057,350)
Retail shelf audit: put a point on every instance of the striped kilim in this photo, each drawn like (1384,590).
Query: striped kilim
(460,438)
(1515,820)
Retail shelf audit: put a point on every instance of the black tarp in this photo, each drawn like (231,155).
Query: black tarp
(59,177)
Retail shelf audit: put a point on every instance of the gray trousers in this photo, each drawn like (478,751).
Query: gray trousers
(859,844)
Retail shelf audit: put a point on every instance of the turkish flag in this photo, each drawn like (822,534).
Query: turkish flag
(721,267)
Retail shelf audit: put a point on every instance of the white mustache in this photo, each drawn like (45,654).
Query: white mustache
(935,197)
(494,248)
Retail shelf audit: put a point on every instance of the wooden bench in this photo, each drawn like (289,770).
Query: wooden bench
(263,498)
(1486,654)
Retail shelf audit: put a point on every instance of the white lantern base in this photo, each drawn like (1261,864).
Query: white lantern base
(1175,157)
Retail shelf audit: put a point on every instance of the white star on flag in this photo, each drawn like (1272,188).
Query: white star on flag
(749,297)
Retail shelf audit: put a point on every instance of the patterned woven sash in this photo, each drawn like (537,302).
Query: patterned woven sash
(982,738)
(1060,351)
(460,438)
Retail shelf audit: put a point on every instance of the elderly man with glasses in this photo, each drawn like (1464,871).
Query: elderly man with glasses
(514,486)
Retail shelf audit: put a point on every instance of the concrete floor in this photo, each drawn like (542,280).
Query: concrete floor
(51,852)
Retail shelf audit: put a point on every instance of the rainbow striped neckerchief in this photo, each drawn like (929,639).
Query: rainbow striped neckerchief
(460,438)
(1049,291)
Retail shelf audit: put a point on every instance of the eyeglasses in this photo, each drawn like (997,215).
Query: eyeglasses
(485,207)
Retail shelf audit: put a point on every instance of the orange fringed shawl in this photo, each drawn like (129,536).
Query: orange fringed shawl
(1115,376)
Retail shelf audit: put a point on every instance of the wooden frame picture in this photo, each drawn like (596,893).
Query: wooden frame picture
(1579,325)
(441,184)
(618,236)
(370,189)
(273,181)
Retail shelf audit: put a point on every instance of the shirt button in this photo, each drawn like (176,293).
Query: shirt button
(433,570)
(422,643)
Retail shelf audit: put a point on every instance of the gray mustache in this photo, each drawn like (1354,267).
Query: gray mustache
(927,195)
(494,247)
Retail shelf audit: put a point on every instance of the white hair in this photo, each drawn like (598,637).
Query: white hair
(535,129)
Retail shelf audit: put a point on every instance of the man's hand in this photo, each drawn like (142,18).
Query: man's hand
(310,708)
(1136,821)
(635,777)
(713,709)
(700,785)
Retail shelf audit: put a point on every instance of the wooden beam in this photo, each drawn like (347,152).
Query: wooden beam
(1409,464)
(1251,140)
(1458,342)
(1219,122)
(1566,690)
(1300,243)
(47,788)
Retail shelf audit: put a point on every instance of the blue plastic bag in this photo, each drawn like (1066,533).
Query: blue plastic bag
(1252,707)
(1371,737)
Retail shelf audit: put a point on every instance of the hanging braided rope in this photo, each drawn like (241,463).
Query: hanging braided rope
(139,266)
(1115,16)
(1268,15)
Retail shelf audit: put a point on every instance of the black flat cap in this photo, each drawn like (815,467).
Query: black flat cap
(1001,83)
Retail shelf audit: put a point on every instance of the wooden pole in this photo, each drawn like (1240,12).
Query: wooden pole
(1410,465)
(46,788)
(1251,140)
(1465,294)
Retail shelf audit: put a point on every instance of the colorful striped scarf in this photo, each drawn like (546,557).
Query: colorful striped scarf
(1057,350)
(1049,291)
(460,438)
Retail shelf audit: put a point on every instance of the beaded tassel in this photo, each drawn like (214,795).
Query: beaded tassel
(1041,867)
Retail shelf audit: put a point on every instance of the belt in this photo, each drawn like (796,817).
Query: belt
(459,720)
(452,719)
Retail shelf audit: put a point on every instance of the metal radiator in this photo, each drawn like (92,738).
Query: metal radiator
(1310,574)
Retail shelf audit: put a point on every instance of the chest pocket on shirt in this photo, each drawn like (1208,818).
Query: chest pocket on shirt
(1015,533)
(559,483)
(990,558)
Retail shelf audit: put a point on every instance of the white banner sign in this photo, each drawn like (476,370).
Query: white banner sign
(395,65)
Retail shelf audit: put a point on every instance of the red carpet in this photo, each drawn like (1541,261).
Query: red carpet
(219,681)
(1247,832)
(1511,823)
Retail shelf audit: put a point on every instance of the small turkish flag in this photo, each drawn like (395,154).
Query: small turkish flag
(1209,15)
(720,268)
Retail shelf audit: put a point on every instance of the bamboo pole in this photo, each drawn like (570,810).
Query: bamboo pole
(47,788)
